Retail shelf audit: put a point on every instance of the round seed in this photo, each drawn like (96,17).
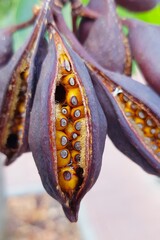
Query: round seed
(77,113)
(63,122)
(64,111)
(153,130)
(77,146)
(67,175)
(74,101)
(72,81)
(63,158)
(67,65)
(134,106)
(74,135)
(64,141)
(141,114)
(78,126)
(77,158)
(64,153)
(68,179)
(149,122)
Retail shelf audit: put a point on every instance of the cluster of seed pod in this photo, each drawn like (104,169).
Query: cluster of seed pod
(53,108)
(70,127)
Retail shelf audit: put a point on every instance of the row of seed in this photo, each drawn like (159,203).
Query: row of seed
(19,114)
(69,120)
(144,122)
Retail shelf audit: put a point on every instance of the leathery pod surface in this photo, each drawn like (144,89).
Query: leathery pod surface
(132,111)
(67,127)
(103,38)
(21,75)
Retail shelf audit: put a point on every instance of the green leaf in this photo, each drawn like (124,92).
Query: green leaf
(152,16)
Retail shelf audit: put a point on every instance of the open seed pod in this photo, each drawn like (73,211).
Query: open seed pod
(6,47)
(132,111)
(104,39)
(137,5)
(144,41)
(67,127)
(21,75)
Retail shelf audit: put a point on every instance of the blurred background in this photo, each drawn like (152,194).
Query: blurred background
(124,204)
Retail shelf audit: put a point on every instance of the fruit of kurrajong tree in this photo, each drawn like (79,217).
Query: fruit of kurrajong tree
(103,38)
(18,79)
(144,36)
(68,121)
(47,92)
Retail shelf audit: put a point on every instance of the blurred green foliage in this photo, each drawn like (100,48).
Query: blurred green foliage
(17,11)
(152,16)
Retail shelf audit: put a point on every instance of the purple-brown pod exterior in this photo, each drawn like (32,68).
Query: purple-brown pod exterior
(104,39)
(137,5)
(144,41)
(6,46)
(132,111)
(67,127)
(21,75)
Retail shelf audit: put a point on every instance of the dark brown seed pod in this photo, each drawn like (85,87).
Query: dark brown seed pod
(21,75)
(104,39)
(6,46)
(132,110)
(144,42)
(136,5)
(68,161)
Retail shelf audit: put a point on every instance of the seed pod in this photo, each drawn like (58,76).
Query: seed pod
(132,111)
(144,41)
(6,46)
(21,75)
(104,39)
(66,182)
(136,5)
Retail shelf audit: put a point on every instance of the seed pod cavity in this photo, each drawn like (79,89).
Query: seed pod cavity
(69,94)
(13,110)
(133,108)
(142,121)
